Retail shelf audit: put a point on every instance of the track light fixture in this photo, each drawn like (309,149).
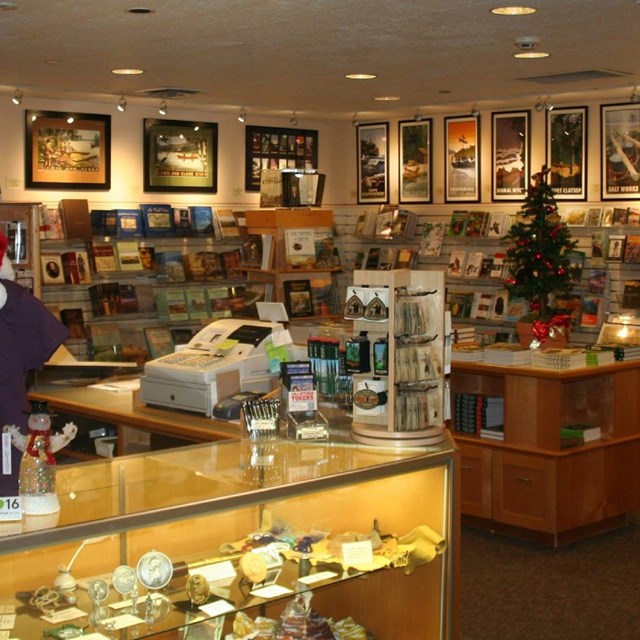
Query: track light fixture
(544,105)
(162,110)
(418,116)
(17,97)
(242,116)
(355,122)
(293,121)
(475,112)
(635,96)
(70,119)
(548,105)
(122,104)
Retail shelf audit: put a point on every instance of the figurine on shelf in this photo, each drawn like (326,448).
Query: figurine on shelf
(37,480)
(29,334)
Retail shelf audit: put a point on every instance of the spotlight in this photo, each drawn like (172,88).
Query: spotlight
(635,96)
(475,112)
(355,122)
(17,97)
(242,116)
(293,120)
(418,116)
(122,104)
(539,105)
(70,120)
(548,105)
(162,110)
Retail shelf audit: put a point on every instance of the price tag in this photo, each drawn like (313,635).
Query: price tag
(10,508)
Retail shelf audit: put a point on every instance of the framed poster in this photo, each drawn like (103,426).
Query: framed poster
(415,160)
(462,159)
(67,151)
(180,156)
(566,153)
(373,163)
(277,148)
(620,150)
(510,155)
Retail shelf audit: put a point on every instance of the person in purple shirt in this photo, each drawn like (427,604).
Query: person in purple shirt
(29,334)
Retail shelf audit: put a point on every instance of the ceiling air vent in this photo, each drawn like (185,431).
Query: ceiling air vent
(169,93)
(577,76)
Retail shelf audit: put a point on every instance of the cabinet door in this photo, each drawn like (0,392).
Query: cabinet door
(475,472)
(524,491)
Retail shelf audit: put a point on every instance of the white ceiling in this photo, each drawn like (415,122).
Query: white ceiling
(277,56)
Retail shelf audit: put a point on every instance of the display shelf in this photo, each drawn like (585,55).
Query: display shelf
(585,488)
(390,424)
(188,502)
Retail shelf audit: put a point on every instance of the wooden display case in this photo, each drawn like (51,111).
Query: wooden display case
(528,485)
(186,503)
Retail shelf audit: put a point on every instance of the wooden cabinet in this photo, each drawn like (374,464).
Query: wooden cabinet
(527,484)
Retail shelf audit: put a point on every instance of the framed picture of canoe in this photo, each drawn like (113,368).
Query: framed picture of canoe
(180,156)
(510,154)
(414,137)
(620,124)
(67,150)
(462,159)
(567,152)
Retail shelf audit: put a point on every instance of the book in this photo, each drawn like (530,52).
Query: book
(406,258)
(134,345)
(84,268)
(496,225)
(51,227)
(507,354)
(591,311)
(172,303)
(619,216)
(458,223)
(298,299)
(576,264)
(76,219)
(52,270)
(70,267)
(271,194)
(631,294)
(594,217)
(257,251)
(632,249)
(170,267)
(147,256)
(498,309)
(486,267)
(194,266)
(127,300)
(457,261)
(104,342)
(387,258)
(232,261)
(460,303)
(473,264)
(104,222)
(373,258)
(197,304)
(146,298)
(476,224)
(213,266)
(499,265)
(481,305)
(568,303)
(324,296)
(202,220)
(127,255)
(103,257)
(615,248)
(129,223)
(105,298)
(182,224)
(575,217)
(324,251)
(73,319)
(300,249)
(432,238)
(157,220)
(516,308)
(159,341)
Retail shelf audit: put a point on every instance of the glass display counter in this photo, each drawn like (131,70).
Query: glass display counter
(238,531)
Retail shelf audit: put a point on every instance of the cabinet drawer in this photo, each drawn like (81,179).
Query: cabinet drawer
(524,491)
(475,473)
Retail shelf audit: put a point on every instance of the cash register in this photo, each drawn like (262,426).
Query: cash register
(225,357)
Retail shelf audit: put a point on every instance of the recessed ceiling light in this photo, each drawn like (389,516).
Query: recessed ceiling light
(8,6)
(387,98)
(360,76)
(127,72)
(140,10)
(513,11)
(531,54)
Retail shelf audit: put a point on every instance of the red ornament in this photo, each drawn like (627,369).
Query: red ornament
(538,256)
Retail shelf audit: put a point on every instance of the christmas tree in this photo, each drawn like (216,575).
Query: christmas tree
(536,260)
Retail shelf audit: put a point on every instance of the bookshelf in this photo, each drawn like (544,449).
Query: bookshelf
(307,289)
(528,485)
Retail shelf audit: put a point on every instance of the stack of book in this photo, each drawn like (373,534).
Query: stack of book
(479,414)
(464,333)
(570,358)
(621,352)
(507,354)
(575,435)
(467,352)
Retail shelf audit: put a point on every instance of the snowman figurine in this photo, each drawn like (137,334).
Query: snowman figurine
(37,480)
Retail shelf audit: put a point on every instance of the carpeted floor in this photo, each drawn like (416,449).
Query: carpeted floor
(514,590)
